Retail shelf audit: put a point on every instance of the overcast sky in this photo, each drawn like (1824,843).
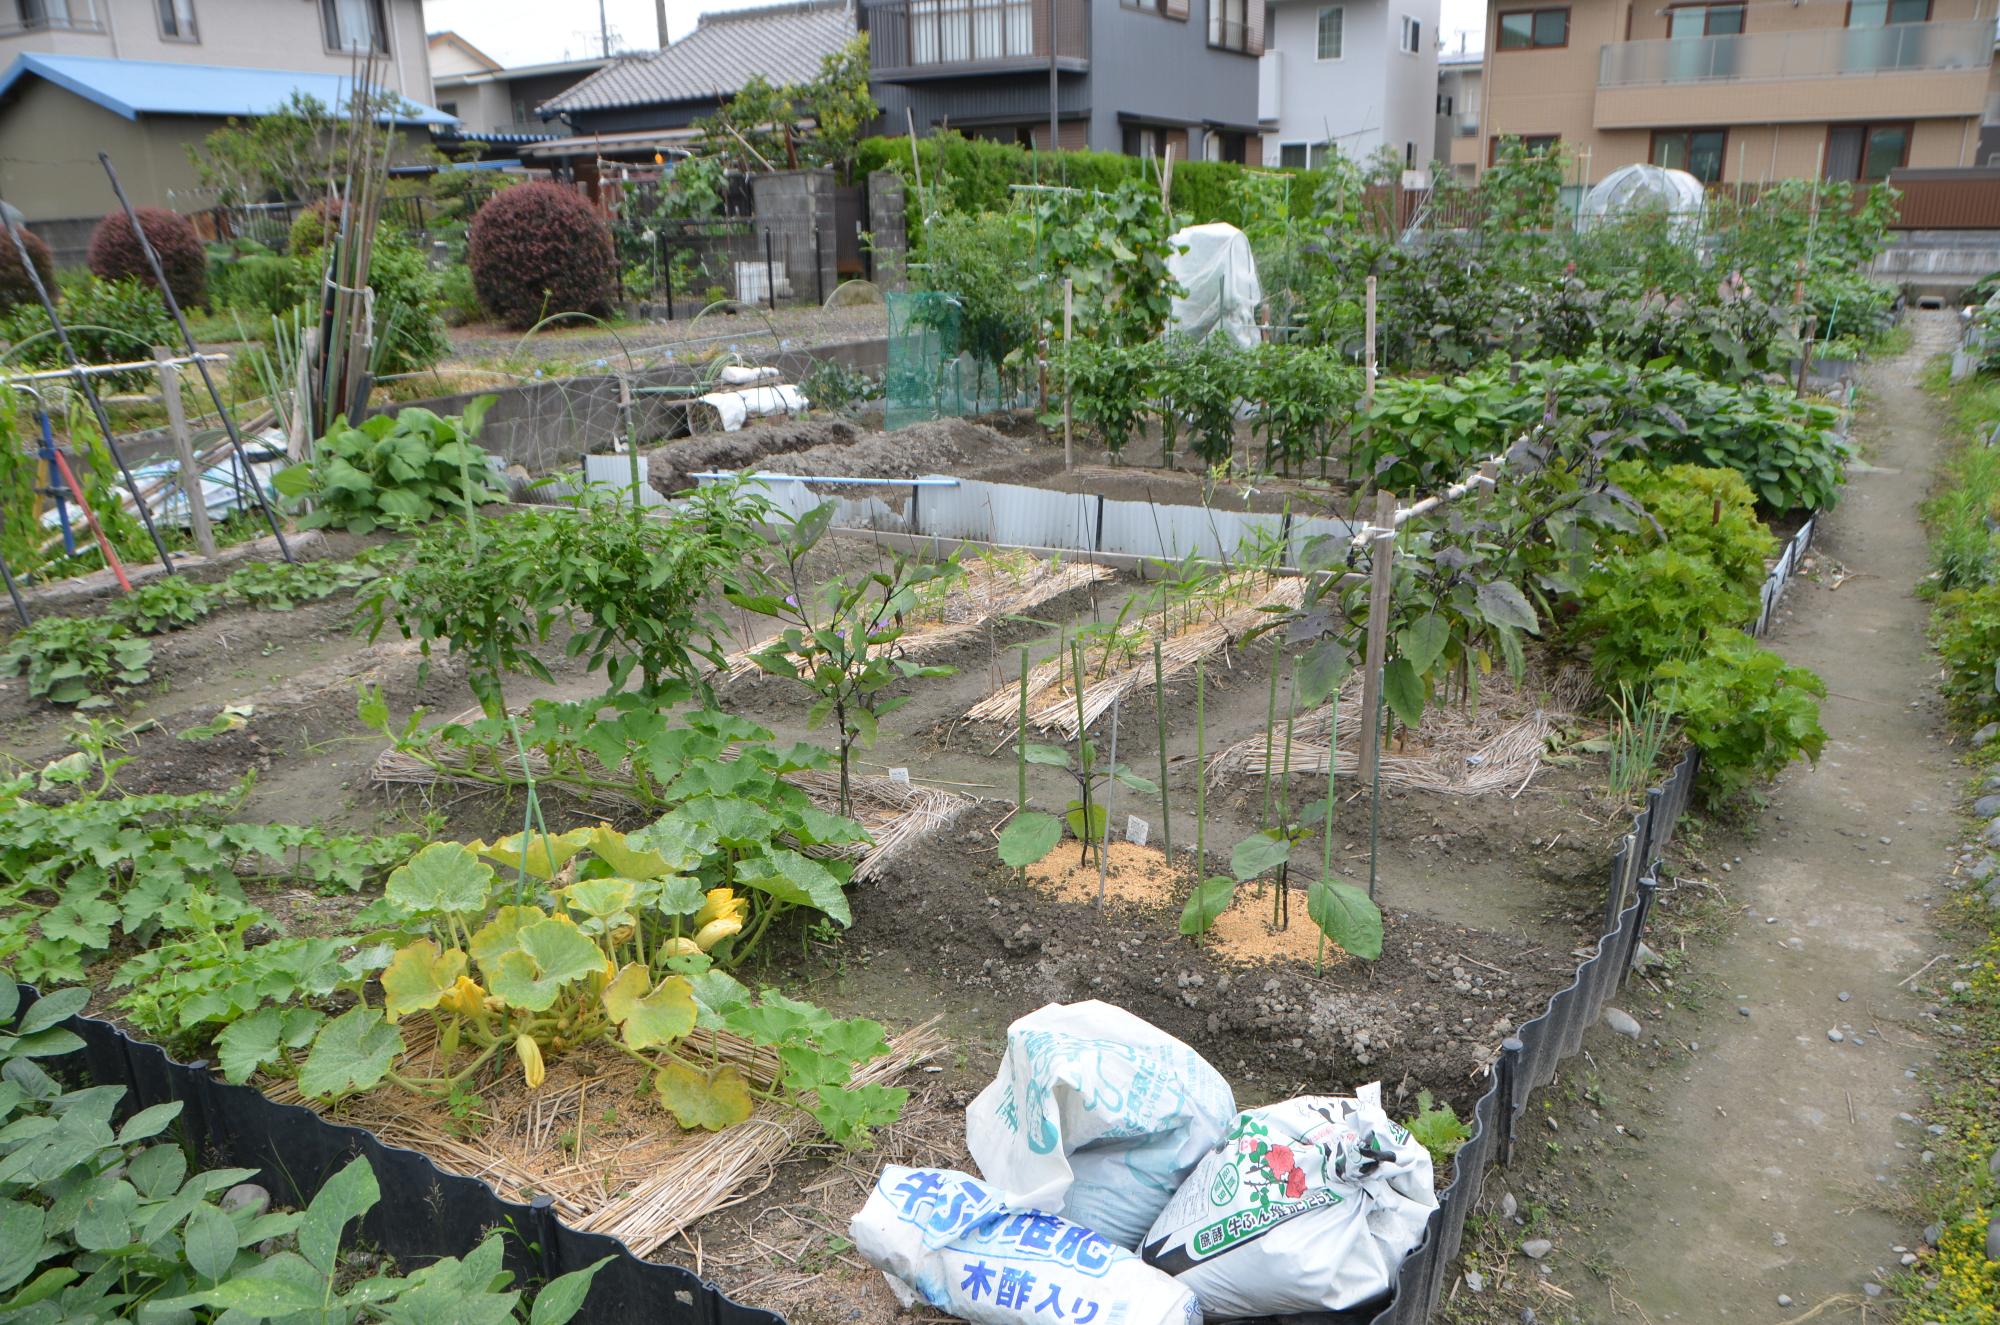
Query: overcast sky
(539,31)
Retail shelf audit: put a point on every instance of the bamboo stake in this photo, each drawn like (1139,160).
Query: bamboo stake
(1069,315)
(1201,771)
(1110,795)
(1159,721)
(1368,350)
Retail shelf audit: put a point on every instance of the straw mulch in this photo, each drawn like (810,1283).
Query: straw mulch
(1052,706)
(592,1138)
(894,813)
(986,592)
(1496,747)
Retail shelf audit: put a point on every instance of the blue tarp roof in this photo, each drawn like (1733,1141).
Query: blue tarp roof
(132,88)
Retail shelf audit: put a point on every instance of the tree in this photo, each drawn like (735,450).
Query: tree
(841,107)
(295,153)
(758,128)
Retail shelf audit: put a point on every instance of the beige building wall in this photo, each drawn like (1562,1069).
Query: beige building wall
(265,34)
(49,141)
(1555,91)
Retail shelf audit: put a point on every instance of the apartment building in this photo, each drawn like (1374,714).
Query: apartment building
(1361,75)
(1460,88)
(1134,76)
(1746,90)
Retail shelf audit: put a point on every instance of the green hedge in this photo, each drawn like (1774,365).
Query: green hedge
(974,176)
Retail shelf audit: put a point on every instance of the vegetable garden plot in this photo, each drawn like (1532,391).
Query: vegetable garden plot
(583,1140)
(1496,747)
(996,586)
(1118,657)
(893,811)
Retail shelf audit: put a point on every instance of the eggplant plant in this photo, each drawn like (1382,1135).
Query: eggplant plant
(1032,834)
(840,642)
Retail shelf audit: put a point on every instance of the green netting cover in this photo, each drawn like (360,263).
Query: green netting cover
(924,378)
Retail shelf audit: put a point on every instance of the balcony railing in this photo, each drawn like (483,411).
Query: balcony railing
(1807,53)
(914,38)
(80,16)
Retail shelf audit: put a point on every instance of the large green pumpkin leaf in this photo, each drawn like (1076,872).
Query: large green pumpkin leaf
(498,935)
(548,956)
(608,902)
(679,837)
(443,877)
(542,856)
(1347,917)
(708,1101)
(353,1052)
(796,880)
(616,850)
(418,976)
(655,1018)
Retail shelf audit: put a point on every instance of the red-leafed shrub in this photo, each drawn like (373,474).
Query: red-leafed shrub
(537,250)
(15,287)
(115,253)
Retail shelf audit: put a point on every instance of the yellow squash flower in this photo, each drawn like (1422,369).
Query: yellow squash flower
(680,946)
(465,998)
(530,1055)
(717,930)
(721,902)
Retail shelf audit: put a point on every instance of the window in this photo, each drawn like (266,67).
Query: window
(73,15)
(448,107)
(1413,36)
(1704,20)
(949,31)
(1409,156)
(1866,153)
(177,20)
(1302,156)
(1143,140)
(1332,27)
(1535,144)
(1700,152)
(355,25)
(1229,24)
(1534,29)
(1881,13)
(1444,103)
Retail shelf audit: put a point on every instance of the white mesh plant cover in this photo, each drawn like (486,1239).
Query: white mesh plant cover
(1631,190)
(1214,266)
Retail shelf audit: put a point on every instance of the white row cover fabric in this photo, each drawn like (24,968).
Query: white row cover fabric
(1214,266)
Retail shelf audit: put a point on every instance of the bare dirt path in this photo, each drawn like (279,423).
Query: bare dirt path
(1739,1161)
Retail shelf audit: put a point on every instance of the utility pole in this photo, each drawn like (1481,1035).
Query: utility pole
(660,14)
(603,29)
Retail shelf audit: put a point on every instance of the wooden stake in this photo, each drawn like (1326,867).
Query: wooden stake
(191,484)
(1383,556)
(1368,363)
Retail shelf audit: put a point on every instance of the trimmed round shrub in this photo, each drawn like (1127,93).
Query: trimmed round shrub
(536,250)
(15,287)
(115,253)
(314,226)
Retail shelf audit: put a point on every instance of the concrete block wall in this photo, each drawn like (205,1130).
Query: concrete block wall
(795,207)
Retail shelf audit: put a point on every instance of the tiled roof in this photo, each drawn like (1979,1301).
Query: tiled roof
(785,43)
(132,88)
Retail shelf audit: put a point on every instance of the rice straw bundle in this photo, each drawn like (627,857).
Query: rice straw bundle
(639,1178)
(1498,748)
(986,591)
(893,812)
(1052,707)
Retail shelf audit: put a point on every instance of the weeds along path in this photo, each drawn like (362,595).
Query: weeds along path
(1740,1160)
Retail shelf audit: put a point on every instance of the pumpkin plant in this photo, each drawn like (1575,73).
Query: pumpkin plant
(598,937)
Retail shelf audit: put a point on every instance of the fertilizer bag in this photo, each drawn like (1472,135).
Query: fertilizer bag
(1096,1116)
(1309,1205)
(947,1239)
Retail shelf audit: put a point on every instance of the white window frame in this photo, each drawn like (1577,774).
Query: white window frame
(1340,34)
(1411,39)
(1311,150)
(187,28)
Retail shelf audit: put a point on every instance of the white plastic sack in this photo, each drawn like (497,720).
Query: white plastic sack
(733,407)
(743,374)
(1215,267)
(947,1239)
(1309,1205)
(1096,1116)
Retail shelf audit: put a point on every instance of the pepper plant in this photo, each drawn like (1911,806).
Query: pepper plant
(1032,834)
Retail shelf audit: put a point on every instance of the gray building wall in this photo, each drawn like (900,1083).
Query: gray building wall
(1162,68)
(1142,65)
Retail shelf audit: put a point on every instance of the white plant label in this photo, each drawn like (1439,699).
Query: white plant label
(1136,830)
(901,775)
